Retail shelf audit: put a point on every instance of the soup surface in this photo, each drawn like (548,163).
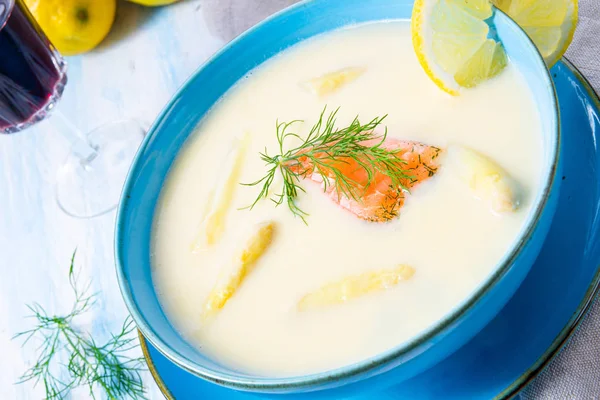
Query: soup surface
(447,236)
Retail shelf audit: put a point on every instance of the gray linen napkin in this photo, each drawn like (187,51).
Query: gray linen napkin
(575,373)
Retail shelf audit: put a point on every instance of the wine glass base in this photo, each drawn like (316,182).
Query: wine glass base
(90,188)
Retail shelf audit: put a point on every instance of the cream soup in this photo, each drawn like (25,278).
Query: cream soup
(449,236)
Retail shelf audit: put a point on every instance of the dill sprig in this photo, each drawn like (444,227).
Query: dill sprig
(67,351)
(327,148)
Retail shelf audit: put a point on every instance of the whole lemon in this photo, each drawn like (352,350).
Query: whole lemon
(153,3)
(74,26)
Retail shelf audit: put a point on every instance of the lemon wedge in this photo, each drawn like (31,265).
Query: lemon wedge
(452,42)
(450,38)
(549,23)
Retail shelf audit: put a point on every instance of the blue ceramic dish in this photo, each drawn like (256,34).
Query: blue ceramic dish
(535,323)
(169,133)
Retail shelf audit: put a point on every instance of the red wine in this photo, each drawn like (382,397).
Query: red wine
(32,73)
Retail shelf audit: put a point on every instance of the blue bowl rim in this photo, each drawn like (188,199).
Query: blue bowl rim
(592,293)
(305,382)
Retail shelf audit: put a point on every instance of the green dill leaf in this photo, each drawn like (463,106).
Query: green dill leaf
(326,147)
(106,368)
(72,266)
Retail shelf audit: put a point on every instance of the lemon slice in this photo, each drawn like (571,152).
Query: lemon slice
(549,23)
(450,38)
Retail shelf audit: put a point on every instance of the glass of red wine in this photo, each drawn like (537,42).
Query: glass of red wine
(32,79)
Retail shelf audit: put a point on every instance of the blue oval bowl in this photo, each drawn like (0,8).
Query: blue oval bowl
(177,122)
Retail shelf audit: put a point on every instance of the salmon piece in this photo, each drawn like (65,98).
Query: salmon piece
(378,201)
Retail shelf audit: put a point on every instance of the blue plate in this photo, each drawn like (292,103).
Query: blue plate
(537,321)
(182,114)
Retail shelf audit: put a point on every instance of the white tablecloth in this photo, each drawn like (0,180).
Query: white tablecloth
(147,56)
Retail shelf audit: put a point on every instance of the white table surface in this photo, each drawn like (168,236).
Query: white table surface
(148,55)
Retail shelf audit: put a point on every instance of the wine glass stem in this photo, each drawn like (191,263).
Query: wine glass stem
(79,145)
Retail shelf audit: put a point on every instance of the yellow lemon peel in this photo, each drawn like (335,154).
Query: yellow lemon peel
(74,26)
